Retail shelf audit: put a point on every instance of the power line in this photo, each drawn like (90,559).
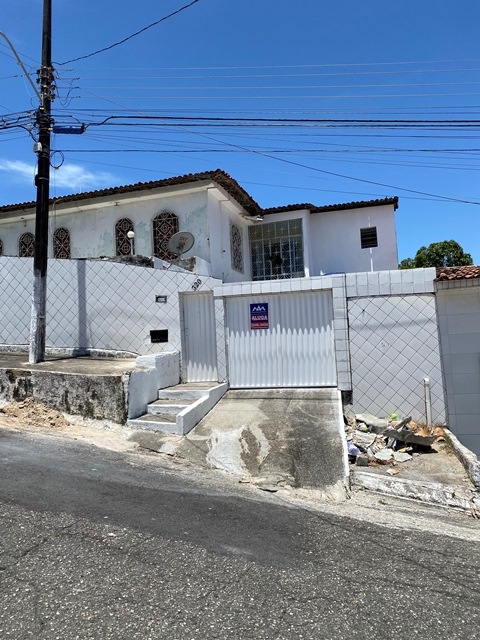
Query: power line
(301,66)
(133,35)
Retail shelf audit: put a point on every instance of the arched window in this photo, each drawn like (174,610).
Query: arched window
(123,247)
(1,248)
(61,243)
(164,226)
(236,248)
(26,245)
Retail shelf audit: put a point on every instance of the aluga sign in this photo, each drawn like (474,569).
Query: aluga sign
(259,315)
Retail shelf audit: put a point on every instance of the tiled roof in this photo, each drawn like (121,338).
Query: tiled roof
(230,185)
(220,177)
(334,207)
(458,273)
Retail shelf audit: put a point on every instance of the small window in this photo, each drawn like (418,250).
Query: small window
(368,237)
(26,245)
(1,248)
(123,245)
(165,225)
(236,248)
(158,335)
(61,243)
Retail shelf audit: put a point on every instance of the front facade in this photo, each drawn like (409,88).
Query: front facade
(235,239)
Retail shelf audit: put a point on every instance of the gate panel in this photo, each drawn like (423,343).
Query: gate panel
(199,358)
(297,350)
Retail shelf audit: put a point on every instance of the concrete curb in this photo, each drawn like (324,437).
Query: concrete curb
(429,492)
(469,460)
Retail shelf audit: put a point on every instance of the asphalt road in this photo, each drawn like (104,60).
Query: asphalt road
(102,545)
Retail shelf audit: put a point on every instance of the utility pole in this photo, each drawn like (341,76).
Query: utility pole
(38,322)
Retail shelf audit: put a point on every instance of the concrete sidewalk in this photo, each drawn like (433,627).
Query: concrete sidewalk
(86,365)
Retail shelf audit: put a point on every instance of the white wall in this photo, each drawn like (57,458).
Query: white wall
(458,305)
(92,223)
(96,304)
(334,240)
(220,216)
(92,227)
(394,343)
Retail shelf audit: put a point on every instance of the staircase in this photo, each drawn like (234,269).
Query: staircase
(179,408)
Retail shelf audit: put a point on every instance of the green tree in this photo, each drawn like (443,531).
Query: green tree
(438,254)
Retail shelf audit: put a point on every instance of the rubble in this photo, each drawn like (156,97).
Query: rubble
(389,441)
(377,425)
(409,437)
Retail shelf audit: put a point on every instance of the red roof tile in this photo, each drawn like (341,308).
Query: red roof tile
(220,177)
(457,273)
(334,207)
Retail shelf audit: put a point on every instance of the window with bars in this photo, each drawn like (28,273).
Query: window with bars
(277,250)
(368,237)
(165,225)
(123,245)
(236,247)
(26,245)
(61,243)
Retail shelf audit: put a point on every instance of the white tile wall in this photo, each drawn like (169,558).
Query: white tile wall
(394,345)
(459,320)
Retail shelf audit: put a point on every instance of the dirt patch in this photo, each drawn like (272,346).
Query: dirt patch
(33,416)
(35,413)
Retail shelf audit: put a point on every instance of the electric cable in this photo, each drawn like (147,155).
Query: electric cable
(133,35)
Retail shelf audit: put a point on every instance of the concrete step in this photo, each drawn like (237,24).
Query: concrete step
(179,408)
(186,391)
(168,406)
(162,423)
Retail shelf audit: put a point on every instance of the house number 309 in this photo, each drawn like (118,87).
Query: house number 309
(196,284)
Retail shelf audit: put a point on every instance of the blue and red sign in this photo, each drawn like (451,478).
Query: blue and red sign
(259,315)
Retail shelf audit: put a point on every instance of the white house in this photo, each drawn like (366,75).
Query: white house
(235,239)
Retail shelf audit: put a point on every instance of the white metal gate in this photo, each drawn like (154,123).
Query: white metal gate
(199,352)
(297,348)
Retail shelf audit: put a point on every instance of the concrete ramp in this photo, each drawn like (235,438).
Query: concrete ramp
(294,436)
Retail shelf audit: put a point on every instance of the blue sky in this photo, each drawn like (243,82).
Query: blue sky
(316,95)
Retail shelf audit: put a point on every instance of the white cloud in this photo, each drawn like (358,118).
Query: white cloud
(68,178)
(19,169)
(76,178)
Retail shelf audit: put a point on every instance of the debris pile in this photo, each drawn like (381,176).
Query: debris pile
(33,412)
(373,441)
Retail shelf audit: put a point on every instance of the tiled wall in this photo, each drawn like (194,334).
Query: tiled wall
(96,304)
(335,283)
(394,343)
(458,306)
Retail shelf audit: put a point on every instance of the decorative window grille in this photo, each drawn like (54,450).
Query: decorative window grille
(236,248)
(277,250)
(165,225)
(26,245)
(122,241)
(368,237)
(61,243)
(1,248)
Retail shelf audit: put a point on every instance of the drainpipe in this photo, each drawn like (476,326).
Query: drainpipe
(428,402)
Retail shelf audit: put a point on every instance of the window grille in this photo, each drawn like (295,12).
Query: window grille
(165,225)
(236,248)
(61,243)
(277,250)
(122,241)
(368,237)
(26,245)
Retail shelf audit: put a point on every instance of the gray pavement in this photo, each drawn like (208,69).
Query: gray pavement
(96,544)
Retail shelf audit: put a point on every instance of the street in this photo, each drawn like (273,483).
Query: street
(96,544)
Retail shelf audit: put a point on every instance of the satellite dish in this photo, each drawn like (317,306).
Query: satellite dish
(181,242)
